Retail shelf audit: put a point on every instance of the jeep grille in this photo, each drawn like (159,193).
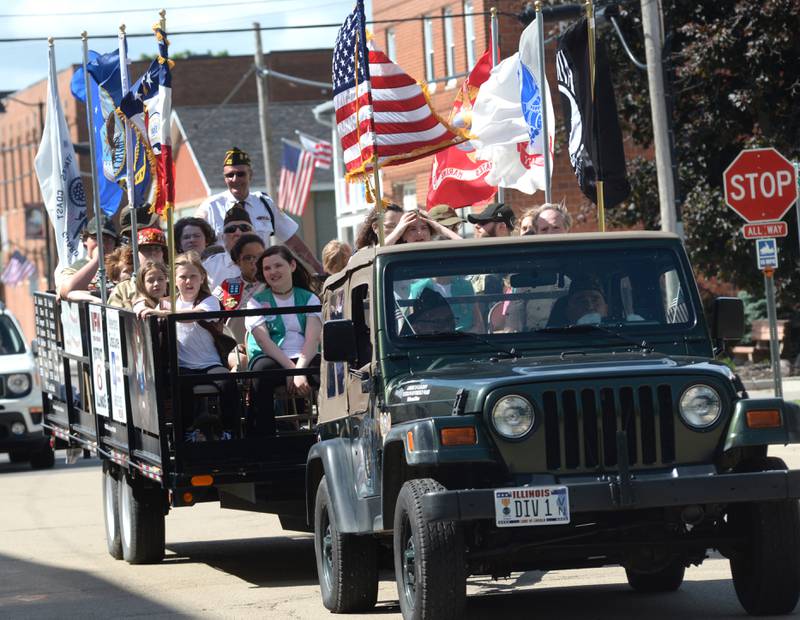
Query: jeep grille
(581,424)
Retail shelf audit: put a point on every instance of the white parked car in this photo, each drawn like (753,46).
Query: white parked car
(21,433)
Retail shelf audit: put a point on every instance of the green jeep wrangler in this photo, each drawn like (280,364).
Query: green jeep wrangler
(541,403)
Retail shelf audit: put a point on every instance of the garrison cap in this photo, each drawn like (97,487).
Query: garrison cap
(236,157)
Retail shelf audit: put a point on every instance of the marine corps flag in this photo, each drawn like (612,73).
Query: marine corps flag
(595,140)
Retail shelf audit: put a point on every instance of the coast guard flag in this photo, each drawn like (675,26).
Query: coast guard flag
(595,139)
(380,109)
(147,107)
(458,177)
(297,171)
(59,179)
(109,132)
(507,119)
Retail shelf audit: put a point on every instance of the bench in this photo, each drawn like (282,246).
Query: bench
(759,336)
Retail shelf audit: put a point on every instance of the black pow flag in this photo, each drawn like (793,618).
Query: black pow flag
(595,140)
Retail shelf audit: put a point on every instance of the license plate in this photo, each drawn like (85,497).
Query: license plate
(531,506)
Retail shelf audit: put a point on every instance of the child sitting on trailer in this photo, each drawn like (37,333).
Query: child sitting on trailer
(151,288)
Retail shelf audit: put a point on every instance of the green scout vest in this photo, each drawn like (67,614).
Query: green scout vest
(274,322)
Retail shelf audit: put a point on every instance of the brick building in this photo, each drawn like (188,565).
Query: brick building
(440,49)
(197,81)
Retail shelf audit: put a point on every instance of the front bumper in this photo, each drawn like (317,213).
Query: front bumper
(616,494)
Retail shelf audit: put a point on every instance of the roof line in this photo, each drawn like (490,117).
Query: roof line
(188,144)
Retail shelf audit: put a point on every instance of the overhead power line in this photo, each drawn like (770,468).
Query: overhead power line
(144,10)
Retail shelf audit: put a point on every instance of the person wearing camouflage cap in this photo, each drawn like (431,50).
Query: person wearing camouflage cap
(267,219)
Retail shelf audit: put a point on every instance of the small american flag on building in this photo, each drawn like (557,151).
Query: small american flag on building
(297,170)
(18,270)
(322,150)
(380,109)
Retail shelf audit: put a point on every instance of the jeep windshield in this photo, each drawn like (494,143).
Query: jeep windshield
(537,292)
(11,342)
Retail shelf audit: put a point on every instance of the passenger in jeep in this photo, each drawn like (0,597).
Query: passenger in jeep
(584,304)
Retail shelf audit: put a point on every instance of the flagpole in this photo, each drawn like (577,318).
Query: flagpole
(376,179)
(494,29)
(130,172)
(548,194)
(101,267)
(601,207)
(168,207)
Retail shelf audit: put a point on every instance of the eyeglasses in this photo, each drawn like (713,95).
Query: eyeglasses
(234,227)
(234,174)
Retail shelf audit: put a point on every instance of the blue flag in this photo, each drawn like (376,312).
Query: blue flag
(109,132)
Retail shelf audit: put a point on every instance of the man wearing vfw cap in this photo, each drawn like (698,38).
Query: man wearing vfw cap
(82,274)
(266,218)
(152,246)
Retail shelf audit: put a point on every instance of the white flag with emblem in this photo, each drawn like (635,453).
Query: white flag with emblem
(59,178)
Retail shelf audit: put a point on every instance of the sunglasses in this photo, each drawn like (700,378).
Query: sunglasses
(234,174)
(234,227)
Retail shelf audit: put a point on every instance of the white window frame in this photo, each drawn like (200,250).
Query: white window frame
(410,196)
(469,33)
(427,36)
(391,44)
(449,42)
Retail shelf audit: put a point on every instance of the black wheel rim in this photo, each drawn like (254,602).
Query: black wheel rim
(327,551)
(409,565)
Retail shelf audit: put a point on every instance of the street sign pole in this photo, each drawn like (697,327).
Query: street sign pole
(772,317)
(797,200)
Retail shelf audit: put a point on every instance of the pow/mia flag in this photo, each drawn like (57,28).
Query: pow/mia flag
(595,140)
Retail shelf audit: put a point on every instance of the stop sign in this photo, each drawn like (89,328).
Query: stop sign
(760,185)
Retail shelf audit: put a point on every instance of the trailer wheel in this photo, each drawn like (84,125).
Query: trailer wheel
(111,514)
(19,456)
(667,579)
(44,458)
(347,564)
(141,523)
(766,569)
(428,558)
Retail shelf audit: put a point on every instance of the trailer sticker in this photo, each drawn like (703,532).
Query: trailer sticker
(98,360)
(71,328)
(115,366)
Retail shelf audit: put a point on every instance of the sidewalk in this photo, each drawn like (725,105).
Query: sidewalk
(764,389)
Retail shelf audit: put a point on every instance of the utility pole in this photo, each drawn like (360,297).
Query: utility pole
(653,44)
(263,107)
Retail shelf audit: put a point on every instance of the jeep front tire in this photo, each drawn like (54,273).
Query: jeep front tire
(428,558)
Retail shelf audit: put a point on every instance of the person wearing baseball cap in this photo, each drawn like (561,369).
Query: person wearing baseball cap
(152,246)
(82,274)
(144,219)
(496,220)
(266,219)
(446,216)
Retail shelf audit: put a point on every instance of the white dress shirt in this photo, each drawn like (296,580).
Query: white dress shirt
(214,208)
(220,267)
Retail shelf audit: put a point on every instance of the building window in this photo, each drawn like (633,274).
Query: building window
(469,33)
(410,196)
(449,42)
(391,46)
(427,35)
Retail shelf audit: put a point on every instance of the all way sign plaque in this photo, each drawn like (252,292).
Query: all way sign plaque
(764,230)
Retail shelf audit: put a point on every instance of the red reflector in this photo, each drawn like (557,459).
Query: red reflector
(410,440)
(202,481)
(766,418)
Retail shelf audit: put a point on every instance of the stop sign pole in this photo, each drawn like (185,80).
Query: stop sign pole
(761,186)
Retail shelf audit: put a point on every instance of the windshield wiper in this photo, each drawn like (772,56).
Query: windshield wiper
(594,327)
(450,335)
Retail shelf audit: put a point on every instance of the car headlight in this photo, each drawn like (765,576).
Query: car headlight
(513,416)
(700,406)
(18,383)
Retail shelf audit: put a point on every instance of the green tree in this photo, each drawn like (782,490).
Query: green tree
(736,84)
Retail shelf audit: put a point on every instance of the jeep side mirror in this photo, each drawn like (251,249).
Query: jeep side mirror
(727,321)
(339,341)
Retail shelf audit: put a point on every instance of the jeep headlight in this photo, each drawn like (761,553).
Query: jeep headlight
(18,383)
(513,416)
(700,406)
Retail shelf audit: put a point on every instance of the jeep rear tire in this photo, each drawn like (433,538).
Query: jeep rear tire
(766,569)
(43,458)
(141,523)
(347,564)
(19,456)
(668,579)
(111,514)
(428,558)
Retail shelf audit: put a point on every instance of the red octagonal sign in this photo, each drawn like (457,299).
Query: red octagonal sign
(760,185)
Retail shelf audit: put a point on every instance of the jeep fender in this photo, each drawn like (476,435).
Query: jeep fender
(331,458)
(740,435)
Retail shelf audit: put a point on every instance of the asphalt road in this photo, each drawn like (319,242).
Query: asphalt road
(228,564)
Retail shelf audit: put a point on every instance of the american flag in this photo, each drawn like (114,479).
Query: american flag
(18,269)
(147,107)
(297,171)
(322,150)
(379,107)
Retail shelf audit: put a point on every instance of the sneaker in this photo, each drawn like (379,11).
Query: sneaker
(226,435)
(195,436)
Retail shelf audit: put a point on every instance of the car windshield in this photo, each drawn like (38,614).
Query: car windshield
(11,343)
(536,291)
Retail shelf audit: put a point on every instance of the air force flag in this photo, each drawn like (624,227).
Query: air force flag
(59,179)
